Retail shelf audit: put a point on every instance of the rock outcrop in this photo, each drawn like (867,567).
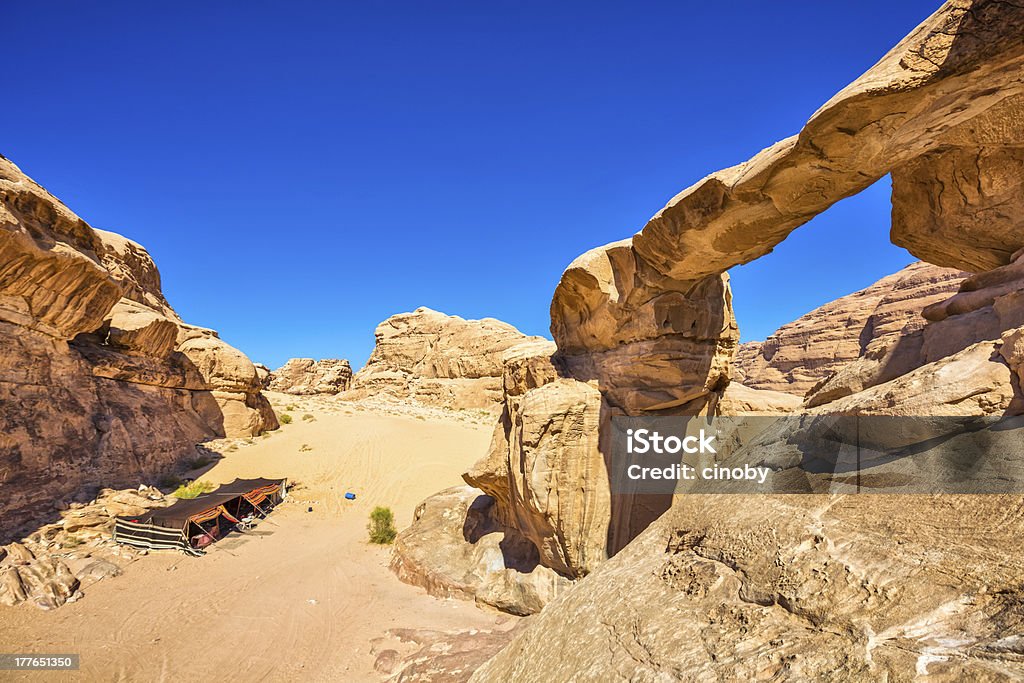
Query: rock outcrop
(100,381)
(985,306)
(811,348)
(650,341)
(793,588)
(796,586)
(56,562)
(456,548)
(438,360)
(304,376)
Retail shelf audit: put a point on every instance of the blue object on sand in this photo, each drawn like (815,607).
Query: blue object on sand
(350,496)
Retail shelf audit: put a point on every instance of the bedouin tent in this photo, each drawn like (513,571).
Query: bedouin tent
(191,524)
(255,496)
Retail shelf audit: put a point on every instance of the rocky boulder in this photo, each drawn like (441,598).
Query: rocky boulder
(456,548)
(305,376)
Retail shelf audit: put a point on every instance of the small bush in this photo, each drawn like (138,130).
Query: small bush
(382,526)
(305,447)
(291,406)
(194,489)
(284,418)
(308,418)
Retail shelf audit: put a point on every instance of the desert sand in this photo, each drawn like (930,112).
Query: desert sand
(303,596)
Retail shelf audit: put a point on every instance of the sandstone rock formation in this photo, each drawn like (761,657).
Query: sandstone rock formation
(807,587)
(738,399)
(982,310)
(456,548)
(307,376)
(801,353)
(408,655)
(438,360)
(793,588)
(53,564)
(100,381)
(611,309)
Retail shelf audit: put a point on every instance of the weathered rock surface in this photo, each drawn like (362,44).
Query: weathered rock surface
(651,342)
(811,348)
(456,548)
(738,399)
(53,564)
(307,376)
(94,382)
(437,359)
(796,588)
(425,655)
(951,88)
(814,586)
(985,307)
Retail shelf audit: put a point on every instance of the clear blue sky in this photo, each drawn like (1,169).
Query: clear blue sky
(302,170)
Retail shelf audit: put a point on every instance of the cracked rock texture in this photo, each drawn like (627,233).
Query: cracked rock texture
(100,381)
(861,587)
(438,360)
(307,376)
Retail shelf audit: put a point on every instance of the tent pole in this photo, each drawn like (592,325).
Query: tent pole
(265,514)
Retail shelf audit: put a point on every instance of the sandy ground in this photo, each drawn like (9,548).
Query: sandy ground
(301,597)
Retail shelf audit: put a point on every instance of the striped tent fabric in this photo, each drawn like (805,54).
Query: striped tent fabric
(140,534)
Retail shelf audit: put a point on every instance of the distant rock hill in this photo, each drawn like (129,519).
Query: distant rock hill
(305,376)
(438,360)
(100,380)
(802,353)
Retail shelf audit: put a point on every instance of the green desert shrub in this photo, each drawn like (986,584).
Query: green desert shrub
(308,417)
(382,526)
(284,418)
(193,489)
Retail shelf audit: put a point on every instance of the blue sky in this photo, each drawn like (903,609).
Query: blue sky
(302,170)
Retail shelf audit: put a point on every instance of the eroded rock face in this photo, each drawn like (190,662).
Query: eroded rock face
(651,342)
(456,547)
(56,562)
(983,308)
(951,87)
(797,587)
(803,586)
(438,360)
(548,476)
(802,353)
(95,384)
(305,376)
